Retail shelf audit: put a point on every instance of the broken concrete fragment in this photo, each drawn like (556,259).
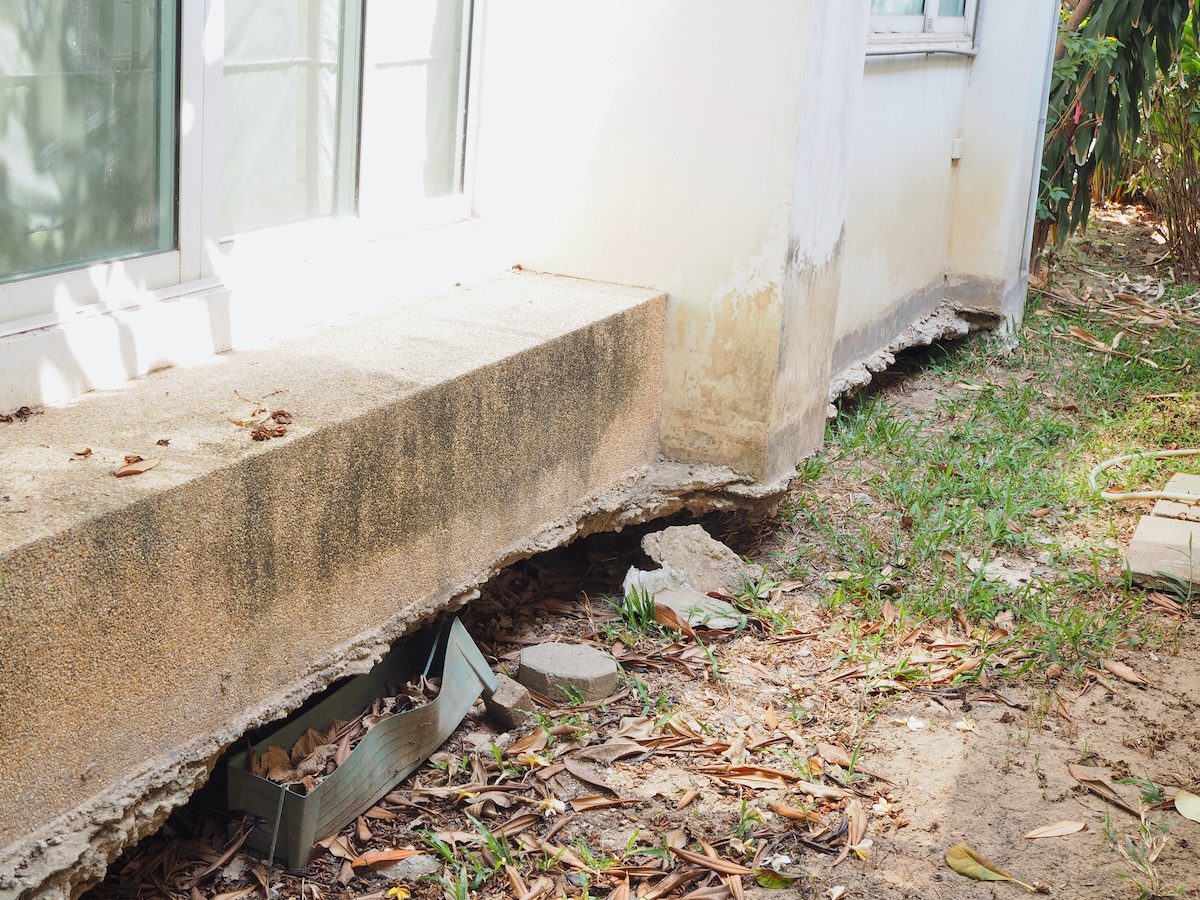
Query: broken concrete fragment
(701,561)
(1165,551)
(699,610)
(563,672)
(410,869)
(510,703)
(652,582)
(1180,483)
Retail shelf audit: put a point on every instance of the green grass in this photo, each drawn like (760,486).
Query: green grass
(997,468)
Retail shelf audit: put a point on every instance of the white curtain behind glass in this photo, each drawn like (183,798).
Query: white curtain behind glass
(411,119)
(281,111)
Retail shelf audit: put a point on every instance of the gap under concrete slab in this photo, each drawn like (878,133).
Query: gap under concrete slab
(147,622)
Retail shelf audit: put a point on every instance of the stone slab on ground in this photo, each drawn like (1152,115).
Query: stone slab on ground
(699,610)
(559,670)
(1173,509)
(1165,547)
(700,560)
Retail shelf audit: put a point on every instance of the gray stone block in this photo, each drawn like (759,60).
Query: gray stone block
(557,670)
(510,704)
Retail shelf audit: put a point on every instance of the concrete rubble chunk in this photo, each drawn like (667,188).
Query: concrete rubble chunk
(510,704)
(560,671)
(699,610)
(412,868)
(691,559)
(698,559)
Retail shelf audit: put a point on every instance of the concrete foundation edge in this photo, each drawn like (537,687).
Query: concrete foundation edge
(947,321)
(72,853)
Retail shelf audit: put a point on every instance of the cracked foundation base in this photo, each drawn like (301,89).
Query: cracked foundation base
(947,322)
(68,855)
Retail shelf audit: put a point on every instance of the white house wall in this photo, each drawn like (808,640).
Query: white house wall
(1001,146)
(923,228)
(658,145)
(901,198)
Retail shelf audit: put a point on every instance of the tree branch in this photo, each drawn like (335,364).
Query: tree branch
(1078,14)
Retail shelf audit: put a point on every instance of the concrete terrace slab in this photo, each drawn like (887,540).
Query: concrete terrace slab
(146,622)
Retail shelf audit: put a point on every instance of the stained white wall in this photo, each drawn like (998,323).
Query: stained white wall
(1002,140)
(922,228)
(901,196)
(657,144)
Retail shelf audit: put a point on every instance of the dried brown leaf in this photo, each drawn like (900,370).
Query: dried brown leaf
(587,774)
(1094,780)
(721,866)
(534,742)
(1122,671)
(1058,829)
(393,854)
(794,813)
(137,466)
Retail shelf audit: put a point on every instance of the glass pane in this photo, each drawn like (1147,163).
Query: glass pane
(282,112)
(952,8)
(87,132)
(898,7)
(412,103)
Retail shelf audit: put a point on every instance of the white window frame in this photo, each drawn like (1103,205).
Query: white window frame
(203,256)
(925,33)
(42,301)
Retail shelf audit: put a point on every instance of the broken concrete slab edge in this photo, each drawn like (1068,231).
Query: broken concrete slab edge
(948,320)
(73,852)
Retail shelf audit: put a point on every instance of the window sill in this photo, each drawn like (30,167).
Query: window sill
(913,44)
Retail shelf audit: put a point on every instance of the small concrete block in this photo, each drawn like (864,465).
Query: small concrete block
(1164,546)
(412,868)
(703,562)
(555,670)
(699,610)
(510,704)
(1173,509)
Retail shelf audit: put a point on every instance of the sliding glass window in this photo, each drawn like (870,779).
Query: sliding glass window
(289,116)
(87,132)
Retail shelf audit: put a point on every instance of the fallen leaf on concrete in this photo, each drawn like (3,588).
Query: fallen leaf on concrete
(84,453)
(965,861)
(1122,671)
(1058,829)
(378,856)
(1188,805)
(136,465)
(1093,779)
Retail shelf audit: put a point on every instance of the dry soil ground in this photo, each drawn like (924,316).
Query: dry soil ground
(715,741)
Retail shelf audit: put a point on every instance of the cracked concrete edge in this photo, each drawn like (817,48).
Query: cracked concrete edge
(948,320)
(72,853)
